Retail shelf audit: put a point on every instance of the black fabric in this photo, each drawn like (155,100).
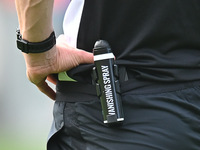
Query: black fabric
(80,92)
(158,44)
(156,40)
(167,120)
(74,92)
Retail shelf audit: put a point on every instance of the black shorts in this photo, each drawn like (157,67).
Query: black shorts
(157,117)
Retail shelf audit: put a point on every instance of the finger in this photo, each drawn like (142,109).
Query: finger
(47,90)
(52,79)
(85,57)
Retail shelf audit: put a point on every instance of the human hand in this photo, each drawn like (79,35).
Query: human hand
(60,58)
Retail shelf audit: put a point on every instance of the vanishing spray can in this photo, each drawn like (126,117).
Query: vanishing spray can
(105,75)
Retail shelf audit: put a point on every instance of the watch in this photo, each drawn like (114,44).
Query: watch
(35,47)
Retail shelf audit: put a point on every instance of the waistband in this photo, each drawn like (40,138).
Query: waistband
(77,91)
(129,84)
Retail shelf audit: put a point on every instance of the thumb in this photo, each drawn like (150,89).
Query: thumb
(78,55)
(85,57)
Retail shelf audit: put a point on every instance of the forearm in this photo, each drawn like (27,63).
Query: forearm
(35,19)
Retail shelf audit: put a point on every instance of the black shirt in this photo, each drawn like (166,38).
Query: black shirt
(156,40)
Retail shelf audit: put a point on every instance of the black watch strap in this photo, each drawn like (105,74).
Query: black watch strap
(35,47)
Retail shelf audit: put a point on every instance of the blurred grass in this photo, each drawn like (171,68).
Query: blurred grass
(22,142)
(7,145)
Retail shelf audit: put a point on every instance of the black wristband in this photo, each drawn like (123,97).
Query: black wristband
(35,47)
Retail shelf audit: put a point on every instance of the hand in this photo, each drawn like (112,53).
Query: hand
(60,58)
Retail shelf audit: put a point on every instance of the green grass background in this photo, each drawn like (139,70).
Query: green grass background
(15,143)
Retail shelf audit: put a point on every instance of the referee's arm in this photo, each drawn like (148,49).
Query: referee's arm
(35,21)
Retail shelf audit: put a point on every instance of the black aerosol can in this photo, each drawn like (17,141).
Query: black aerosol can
(105,75)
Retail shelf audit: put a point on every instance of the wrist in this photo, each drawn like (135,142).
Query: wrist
(35,47)
(41,60)
(36,34)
